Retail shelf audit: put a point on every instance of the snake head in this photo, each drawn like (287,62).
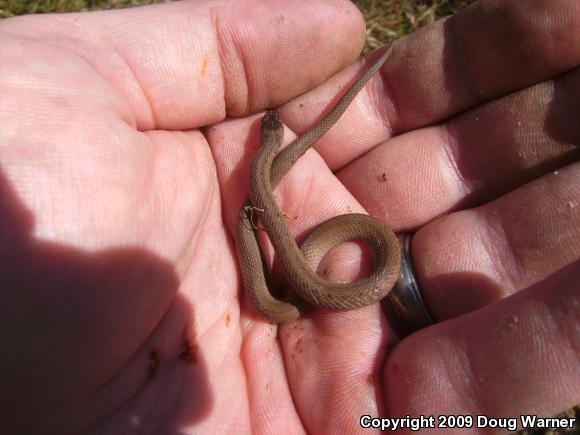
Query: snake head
(271,120)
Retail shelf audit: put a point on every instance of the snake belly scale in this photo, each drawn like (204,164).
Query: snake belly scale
(299,264)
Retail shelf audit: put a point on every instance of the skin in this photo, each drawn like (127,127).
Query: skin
(121,178)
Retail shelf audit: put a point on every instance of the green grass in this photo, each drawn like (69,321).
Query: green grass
(391,19)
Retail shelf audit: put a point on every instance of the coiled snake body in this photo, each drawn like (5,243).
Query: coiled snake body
(299,264)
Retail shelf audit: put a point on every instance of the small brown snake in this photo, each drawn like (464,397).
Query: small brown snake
(299,264)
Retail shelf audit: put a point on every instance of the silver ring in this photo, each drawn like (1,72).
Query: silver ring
(404,304)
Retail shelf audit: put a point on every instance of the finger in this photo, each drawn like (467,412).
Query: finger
(490,49)
(518,356)
(471,258)
(187,64)
(472,158)
(272,409)
(333,364)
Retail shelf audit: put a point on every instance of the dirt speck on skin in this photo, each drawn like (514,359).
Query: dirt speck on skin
(154,363)
(189,352)
(298,346)
(370,380)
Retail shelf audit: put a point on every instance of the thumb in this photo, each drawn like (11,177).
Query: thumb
(187,64)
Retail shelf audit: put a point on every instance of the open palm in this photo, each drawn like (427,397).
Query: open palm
(125,142)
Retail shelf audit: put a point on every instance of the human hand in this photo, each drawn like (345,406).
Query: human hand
(118,212)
